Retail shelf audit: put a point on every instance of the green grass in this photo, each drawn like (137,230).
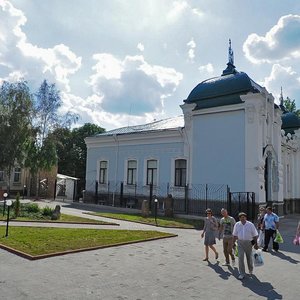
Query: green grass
(63,218)
(40,241)
(161,221)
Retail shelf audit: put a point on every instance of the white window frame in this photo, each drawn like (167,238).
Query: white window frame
(17,171)
(155,183)
(127,172)
(99,171)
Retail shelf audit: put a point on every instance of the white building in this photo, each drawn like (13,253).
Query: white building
(230,133)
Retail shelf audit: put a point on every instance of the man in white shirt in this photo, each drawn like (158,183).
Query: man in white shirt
(246,235)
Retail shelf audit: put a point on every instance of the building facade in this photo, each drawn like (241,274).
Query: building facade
(231,133)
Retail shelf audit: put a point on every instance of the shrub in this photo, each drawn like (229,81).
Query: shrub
(31,208)
(47,211)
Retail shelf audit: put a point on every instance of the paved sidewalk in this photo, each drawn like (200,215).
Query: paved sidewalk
(164,269)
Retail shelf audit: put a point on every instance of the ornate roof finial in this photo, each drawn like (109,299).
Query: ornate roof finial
(230,54)
(282,101)
(230,65)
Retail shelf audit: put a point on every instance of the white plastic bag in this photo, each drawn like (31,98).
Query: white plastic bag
(257,258)
(261,239)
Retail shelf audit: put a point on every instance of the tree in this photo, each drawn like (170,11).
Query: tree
(16,108)
(72,152)
(290,106)
(42,149)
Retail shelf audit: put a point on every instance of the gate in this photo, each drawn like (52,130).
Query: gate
(242,202)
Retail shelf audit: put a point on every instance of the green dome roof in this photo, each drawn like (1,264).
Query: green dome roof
(209,92)
(290,122)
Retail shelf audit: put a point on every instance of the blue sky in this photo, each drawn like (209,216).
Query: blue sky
(120,63)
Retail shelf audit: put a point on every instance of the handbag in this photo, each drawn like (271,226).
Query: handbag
(278,237)
(296,240)
(261,239)
(257,258)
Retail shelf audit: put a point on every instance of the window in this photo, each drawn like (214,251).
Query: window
(131,172)
(151,172)
(1,175)
(17,175)
(180,172)
(103,172)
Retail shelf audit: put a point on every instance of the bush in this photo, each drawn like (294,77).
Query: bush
(31,208)
(47,211)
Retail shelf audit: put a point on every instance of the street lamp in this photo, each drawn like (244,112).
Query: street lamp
(8,203)
(24,188)
(155,210)
(4,203)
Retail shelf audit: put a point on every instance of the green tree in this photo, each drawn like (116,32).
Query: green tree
(42,149)
(71,150)
(16,108)
(290,106)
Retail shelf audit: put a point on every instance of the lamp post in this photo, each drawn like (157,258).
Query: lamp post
(4,203)
(24,188)
(8,203)
(155,210)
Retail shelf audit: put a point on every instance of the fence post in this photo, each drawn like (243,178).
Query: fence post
(253,206)
(186,198)
(150,195)
(248,204)
(108,192)
(96,191)
(206,189)
(121,193)
(55,187)
(229,208)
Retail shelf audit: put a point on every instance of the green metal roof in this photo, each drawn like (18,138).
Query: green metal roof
(222,90)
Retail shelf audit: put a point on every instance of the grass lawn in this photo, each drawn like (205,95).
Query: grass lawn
(161,221)
(63,218)
(37,241)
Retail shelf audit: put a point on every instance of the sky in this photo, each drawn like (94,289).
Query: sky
(120,63)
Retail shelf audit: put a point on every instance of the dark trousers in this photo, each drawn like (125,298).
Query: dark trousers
(270,233)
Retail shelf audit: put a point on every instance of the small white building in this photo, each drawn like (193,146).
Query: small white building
(231,133)
(66,187)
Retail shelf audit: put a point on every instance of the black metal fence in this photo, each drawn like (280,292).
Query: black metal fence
(191,199)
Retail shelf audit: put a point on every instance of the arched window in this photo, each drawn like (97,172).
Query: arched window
(151,172)
(131,171)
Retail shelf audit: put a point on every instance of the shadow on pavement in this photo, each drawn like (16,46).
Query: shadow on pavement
(285,257)
(219,270)
(264,289)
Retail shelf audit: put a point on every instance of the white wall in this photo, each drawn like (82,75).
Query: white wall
(218,151)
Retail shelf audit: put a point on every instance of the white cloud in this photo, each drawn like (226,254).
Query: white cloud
(280,43)
(177,8)
(34,63)
(191,52)
(284,77)
(207,68)
(132,85)
(141,47)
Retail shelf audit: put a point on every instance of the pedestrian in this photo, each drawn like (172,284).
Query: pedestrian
(270,225)
(246,235)
(210,230)
(226,228)
(260,217)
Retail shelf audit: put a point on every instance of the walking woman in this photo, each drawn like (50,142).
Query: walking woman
(209,231)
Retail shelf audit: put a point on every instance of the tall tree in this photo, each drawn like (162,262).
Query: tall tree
(16,108)
(42,150)
(72,152)
(290,106)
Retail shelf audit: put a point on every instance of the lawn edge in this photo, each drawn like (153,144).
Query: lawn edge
(63,222)
(43,256)
(172,227)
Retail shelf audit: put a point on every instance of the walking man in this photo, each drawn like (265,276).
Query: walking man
(270,225)
(246,235)
(226,228)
